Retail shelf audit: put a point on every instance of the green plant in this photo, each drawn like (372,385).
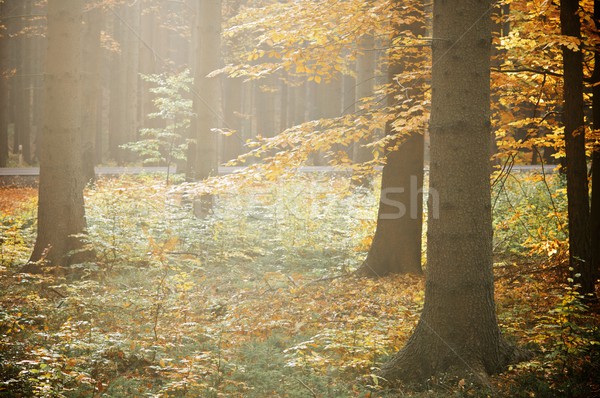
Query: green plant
(164,145)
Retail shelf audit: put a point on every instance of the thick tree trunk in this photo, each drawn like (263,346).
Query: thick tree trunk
(576,166)
(396,246)
(61,207)
(202,154)
(458,329)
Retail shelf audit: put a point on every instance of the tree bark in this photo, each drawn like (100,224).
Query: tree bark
(575,159)
(202,153)
(61,207)
(458,330)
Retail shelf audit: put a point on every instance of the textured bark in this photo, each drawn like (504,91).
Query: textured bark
(61,207)
(576,167)
(396,246)
(458,329)
(202,155)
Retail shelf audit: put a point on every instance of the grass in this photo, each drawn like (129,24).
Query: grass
(257,299)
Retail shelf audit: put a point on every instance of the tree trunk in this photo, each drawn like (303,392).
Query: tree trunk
(232,145)
(61,207)
(131,53)
(458,330)
(595,206)
(265,107)
(576,167)
(117,117)
(365,81)
(22,127)
(284,103)
(202,154)
(396,246)
(91,90)
(4,96)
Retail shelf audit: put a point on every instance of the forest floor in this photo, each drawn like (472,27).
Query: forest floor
(258,298)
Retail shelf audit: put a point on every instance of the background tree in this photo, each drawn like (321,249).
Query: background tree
(61,207)
(458,329)
(396,245)
(4,98)
(91,86)
(202,153)
(595,203)
(575,157)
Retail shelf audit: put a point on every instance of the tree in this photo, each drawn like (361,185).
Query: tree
(61,213)
(396,246)
(365,84)
(91,89)
(4,98)
(575,158)
(458,329)
(595,204)
(202,153)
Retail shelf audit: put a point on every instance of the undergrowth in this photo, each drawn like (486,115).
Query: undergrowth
(256,298)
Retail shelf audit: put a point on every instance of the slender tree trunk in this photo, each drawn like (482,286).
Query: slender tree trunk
(458,330)
(300,112)
(4,95)
(265,108)
(132,66)
(284,103)
(576,167)
(365,82)
(232,145)
(37,111)
(117,117)
(202,154)
(22,97)
(396,246)
(595,206)
(61,208)
(91,90)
